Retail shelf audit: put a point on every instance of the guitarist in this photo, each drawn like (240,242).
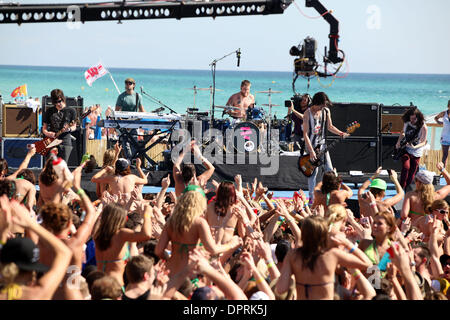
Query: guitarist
(57,118)
(414,137)
(316,119)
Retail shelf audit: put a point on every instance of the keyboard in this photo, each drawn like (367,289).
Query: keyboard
(146,124)
(144,115)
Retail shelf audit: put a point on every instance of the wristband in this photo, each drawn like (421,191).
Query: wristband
(259,280)
(353,248)
(341,134)
(357,275)
(270,264)
(148,215)
(370,179)
(81,192)
(373,204)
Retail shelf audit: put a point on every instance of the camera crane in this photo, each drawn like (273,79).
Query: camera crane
(305,65)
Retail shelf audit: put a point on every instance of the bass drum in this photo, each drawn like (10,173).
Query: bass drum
(246,137)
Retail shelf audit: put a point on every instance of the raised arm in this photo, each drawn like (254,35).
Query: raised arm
(165,183)
(439,116)
(85,229)
(400,193)
(24,165)
(205,176)
(142,178)
(103,176)
(49,282)
(146,231)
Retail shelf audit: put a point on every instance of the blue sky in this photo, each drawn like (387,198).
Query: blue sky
(413,37)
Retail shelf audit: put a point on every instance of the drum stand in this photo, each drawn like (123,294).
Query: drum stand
(269,125)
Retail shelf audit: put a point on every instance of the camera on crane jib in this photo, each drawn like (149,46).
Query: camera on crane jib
(306,63)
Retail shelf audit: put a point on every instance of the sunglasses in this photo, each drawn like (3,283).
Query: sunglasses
(58,101)
(128,82)
(441,211)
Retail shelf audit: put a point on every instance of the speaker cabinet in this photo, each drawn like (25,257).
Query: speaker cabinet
(19,121)
(367,114)
(78,148)
(391,119)
(14,151)
(387,147)
(360,154)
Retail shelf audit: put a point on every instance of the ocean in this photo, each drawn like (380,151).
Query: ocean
(173,88)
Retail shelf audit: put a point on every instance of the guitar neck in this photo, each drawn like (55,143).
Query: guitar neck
(327,147)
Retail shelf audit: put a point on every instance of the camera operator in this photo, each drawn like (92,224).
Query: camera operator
(296,108)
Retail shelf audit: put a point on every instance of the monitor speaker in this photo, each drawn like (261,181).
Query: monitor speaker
(366,114)
(355,154)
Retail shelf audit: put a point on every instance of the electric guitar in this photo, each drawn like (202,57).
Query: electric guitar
(307,166)
(45,145)
(398,153)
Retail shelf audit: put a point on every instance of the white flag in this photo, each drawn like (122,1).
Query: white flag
(94,73)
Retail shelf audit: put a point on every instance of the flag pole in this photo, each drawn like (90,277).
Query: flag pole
(118,91)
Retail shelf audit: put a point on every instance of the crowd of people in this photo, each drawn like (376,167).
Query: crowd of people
(211,240)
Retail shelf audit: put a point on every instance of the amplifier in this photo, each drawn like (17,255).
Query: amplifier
(14,151)
(391,119)
(19,121)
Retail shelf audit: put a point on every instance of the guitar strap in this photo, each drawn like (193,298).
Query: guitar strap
(137,99)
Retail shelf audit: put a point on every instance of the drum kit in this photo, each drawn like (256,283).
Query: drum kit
(247,131)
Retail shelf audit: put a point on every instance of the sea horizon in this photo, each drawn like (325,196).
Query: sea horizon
(209,70)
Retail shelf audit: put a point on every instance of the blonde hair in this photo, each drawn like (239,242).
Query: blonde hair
(189,206)
(8,273)
(108,157)
(335,213)
(426,193)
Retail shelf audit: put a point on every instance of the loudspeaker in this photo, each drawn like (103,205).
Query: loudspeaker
(14,151)
(391,119)
(78,148)
(387,147)
(367,114)
(19,121)
(360,154)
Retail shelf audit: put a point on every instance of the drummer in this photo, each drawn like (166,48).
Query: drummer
(242,100)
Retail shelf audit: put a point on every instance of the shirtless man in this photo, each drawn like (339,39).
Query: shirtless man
(242,100)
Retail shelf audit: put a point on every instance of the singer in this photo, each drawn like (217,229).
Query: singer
(130,101)
(242,100)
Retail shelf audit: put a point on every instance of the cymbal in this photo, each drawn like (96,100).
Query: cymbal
(269,91)
(273,105)
(200,89)
(203,89)
(226,107)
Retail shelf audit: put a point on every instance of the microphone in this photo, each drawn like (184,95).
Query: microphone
(238,56)
(160,109)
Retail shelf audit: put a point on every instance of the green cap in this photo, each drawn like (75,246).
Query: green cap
(379,184)
(193,187)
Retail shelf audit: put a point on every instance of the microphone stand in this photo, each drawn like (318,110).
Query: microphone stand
(157,101)
(213,65)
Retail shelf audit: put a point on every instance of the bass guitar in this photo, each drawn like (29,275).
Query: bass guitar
(307,166)
(45,145)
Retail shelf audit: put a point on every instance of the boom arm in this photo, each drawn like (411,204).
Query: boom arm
(134,10)
(334,29)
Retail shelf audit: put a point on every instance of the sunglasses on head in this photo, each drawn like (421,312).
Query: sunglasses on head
(441,211)
(129,82)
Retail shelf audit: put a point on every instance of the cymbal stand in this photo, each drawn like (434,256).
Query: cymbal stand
(213,65)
